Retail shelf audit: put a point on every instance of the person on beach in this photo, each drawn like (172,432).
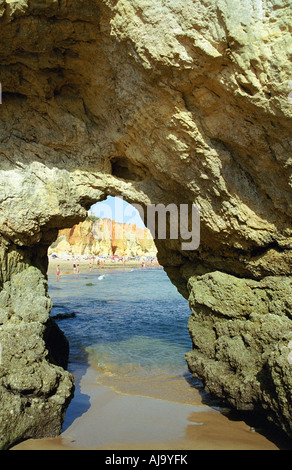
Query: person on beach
(58,272)
(74,267)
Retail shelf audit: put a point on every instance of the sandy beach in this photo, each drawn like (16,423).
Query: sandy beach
(119,422)
(104,418)
(66,266)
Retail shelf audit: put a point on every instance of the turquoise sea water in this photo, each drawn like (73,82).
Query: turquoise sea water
(130,325)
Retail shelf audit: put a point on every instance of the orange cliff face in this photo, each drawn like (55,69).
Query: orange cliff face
(104,237)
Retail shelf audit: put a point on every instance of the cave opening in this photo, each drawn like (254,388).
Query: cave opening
(125,321)
(127,328)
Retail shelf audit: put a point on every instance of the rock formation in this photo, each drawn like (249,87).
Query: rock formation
(164,101)
(104,237)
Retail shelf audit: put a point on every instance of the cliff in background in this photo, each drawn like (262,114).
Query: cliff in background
(104,237)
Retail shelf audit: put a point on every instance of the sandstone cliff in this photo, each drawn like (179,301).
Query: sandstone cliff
(175,101)
(104,237)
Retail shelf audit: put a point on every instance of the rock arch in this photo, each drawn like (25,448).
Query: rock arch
(171,102)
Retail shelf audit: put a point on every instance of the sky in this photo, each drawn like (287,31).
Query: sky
(117,209)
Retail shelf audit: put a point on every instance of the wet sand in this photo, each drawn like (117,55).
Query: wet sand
(116,421)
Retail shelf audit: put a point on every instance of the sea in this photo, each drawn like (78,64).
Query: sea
(130,325)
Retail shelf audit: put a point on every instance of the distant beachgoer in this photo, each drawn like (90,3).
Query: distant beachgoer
(58,272)
(90,266)
(78,268)
(74,266)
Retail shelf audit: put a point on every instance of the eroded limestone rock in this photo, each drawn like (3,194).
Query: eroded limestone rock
(241,331)
(168,101)
(34,389)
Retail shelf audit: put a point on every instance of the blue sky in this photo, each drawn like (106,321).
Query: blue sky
(117,209)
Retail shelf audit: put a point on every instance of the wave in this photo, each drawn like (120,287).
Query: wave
(144,366)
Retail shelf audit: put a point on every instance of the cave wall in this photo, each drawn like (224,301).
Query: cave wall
(160,102)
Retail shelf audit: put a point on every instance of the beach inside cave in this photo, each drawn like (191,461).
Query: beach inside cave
(133,389)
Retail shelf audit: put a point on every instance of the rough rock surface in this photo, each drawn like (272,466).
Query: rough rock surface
(35,390)
(241,331)
(161,101)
